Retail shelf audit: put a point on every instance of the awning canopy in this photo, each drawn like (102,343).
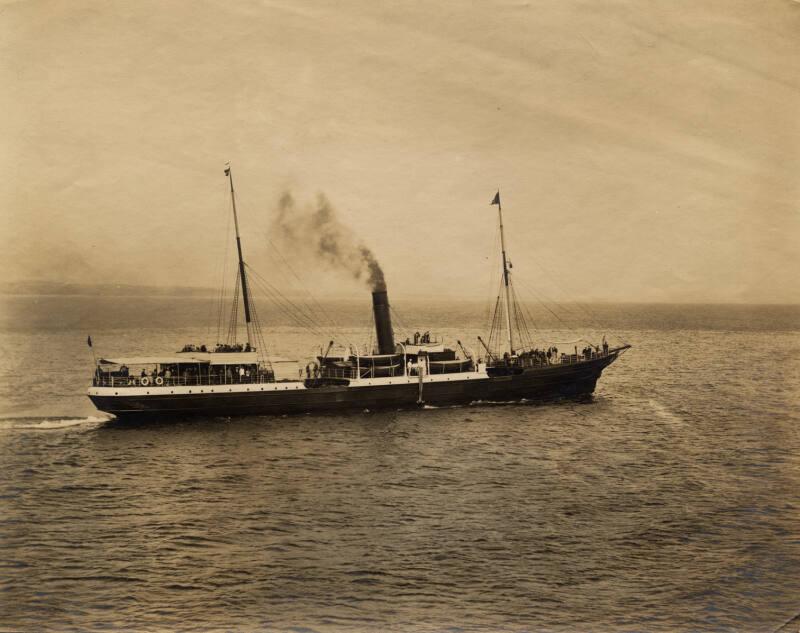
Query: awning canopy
(153,360)
(194,358)
(225,358)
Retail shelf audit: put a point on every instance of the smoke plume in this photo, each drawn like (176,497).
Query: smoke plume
(315,229)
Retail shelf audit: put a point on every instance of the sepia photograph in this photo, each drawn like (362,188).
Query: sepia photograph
(343,316)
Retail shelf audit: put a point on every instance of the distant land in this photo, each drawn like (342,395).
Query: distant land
(120,290)
(43,288)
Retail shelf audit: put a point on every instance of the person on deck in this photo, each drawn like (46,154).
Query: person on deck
(241,374)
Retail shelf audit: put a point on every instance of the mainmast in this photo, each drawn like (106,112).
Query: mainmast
(242,272)
(505,274)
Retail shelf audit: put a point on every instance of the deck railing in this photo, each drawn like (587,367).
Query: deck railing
(561,359)
(117,380)
(113,380)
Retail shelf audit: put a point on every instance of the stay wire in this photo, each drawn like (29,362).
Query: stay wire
(302,315)
(302,312)
(584,307)
(286,307)
(302,285)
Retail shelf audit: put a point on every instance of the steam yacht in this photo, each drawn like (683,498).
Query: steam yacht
(230,378)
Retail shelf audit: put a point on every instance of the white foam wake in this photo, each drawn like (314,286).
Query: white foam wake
(49,423)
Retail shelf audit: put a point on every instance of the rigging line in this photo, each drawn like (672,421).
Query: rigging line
(592,315)
(234,315)
(501,324)
(294,316)
(299,315)
(302,303)
(399,320)
(493,333)
(576,322)
(551,277)
(562,290)
(262,344)
(286,307)
(499,308)
(522,326)
(526,311)
(521,307)
(233,331)
(517,317)
(224,267)
(372,333)
(325,313)
(368,326)
(489,319)
(545,306)
(494,265)
(524,306)
(542,298)
(255,325)
(307,314)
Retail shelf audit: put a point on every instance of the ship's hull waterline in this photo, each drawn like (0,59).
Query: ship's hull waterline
(551,382)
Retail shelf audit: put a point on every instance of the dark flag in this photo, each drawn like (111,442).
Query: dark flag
(227,171)
(89,341)
(496,199)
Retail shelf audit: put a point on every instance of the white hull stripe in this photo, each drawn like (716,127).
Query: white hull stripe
(155,390)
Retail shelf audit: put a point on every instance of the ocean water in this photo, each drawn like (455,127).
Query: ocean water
(670,501)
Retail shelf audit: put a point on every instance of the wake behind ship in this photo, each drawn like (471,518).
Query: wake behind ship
(232,379)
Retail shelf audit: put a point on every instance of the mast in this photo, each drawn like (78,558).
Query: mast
(505,274)
(242,273)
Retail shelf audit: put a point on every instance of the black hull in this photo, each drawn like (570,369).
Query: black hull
(552,382)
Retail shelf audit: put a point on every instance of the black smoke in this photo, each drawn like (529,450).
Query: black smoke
(315,228)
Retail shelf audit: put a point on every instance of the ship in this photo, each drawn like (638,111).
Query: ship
(234,379)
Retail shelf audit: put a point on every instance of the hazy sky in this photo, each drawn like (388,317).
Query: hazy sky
(644,150)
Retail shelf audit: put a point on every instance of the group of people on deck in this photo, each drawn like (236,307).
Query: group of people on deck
(181,375)
(220,347)
(425,337)
(238,347)
(550,355)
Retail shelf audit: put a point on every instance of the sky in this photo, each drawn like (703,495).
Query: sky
(644,151)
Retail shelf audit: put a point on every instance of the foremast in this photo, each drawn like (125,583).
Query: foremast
(242,271)
(510,336)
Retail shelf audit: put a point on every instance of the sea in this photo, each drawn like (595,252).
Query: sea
(670,501)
